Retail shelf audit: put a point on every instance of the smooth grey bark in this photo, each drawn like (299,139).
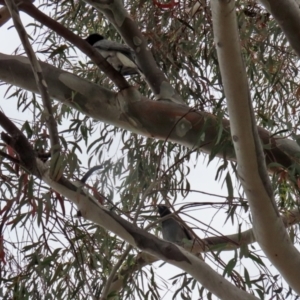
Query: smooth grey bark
(268,226)
(129,110)
(287,15)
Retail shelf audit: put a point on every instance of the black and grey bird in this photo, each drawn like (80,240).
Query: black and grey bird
(120,56)
(172,230)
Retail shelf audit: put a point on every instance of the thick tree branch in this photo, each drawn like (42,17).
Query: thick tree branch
(268,227)
(119,17)
(155,119)
(287,14)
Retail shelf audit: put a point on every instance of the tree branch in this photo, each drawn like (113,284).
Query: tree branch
(171,253)
(268,227)
(107,289)
(4,15)
(216,243)
(155,119)
(119,17)
(10,158)
(287,15)
(87,49)
(39,78)
(17,140)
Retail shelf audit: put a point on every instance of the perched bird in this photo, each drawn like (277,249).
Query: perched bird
(172,230)
(120,56)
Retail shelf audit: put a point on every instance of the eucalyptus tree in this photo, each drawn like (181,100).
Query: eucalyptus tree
(220,83)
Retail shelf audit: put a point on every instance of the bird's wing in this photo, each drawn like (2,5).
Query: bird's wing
(108,45)
(187,233)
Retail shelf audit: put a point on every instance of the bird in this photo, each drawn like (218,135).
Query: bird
(172,230)
(120,56)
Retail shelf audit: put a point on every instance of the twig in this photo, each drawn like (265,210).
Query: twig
(38,74)
(87,49)
(112,275)
(113,272)
(7,156)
